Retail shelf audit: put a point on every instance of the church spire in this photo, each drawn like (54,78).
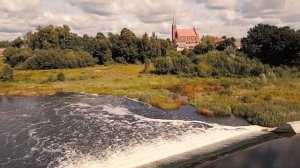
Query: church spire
(174,20)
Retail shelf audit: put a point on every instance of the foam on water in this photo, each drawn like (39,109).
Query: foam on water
(145,153)
(87,131)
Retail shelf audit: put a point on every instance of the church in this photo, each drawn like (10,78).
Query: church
(184,38)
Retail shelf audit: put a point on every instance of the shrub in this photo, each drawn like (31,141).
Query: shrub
(163,65)
(147,66)
(181,64)
(247,99)
(50,78)
(60,76)
(15,56)
(204,70)
(120,60)
(47,59)
(6,73)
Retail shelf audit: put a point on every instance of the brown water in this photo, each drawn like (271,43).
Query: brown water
(279,153)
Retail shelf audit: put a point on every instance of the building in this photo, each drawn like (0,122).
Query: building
(184,38)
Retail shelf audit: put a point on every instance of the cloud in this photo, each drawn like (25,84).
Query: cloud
(216,17)
(218,4)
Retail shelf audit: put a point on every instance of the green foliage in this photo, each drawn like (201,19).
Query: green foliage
(207,44)
(15,56)
(272,45)
(6,73)
(221,64)
(248,99)
(213,63)
(50,78)
(60,76)
(106,50)
(18,43)
(204,70)
(120,60)
(55,59)
(147,66)
(4,44)
(163,65)
(229,42)
(270,113)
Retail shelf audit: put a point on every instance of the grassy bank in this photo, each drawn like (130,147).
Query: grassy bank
(264,102)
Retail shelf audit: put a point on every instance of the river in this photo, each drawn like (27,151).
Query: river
(79,130)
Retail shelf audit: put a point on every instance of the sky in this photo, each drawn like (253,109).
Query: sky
(209,17)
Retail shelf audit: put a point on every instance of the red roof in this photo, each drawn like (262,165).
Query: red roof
(186,32)
(219,40)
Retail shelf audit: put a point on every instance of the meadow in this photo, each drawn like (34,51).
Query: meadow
(260,100)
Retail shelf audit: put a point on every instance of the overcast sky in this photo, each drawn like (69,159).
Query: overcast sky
(209,17)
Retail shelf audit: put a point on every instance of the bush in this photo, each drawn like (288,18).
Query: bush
(60,76)
(147,66)
(204,70)
(182,64)
(120,60)
(247,99)
(47,59)
(6,73)
(163,65)
(15,56)
(50,78)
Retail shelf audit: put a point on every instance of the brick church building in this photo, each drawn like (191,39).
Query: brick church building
(184,38)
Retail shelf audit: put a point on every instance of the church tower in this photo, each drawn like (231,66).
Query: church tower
(174,29)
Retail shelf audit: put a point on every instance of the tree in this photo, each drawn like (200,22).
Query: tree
(6,73)
(127,46)
(44,38)
(163,65)
(165,46)
(4,44)
(207,44)
(229,42)
(60,76)
(145,48)
(272,45)
(156,50)
(18,43)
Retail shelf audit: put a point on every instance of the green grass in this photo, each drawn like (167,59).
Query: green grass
(265,103)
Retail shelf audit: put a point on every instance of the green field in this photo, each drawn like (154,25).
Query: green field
(264,102)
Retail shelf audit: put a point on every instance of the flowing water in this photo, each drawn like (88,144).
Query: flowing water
(79,130)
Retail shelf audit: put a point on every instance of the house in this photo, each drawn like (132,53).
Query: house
(184,38)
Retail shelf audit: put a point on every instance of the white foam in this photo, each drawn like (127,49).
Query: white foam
(150,152)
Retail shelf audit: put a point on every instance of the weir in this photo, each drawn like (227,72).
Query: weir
(79,130)
(290,127)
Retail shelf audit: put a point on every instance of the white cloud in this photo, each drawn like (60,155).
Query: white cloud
(216,17)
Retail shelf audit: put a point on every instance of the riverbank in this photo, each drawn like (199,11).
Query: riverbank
(282,152)
(266,102)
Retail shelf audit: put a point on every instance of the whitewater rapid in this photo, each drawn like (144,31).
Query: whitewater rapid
(78,130)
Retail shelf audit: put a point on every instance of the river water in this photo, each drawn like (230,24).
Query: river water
(80,130)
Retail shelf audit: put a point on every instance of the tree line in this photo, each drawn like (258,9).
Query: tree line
(52,47)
